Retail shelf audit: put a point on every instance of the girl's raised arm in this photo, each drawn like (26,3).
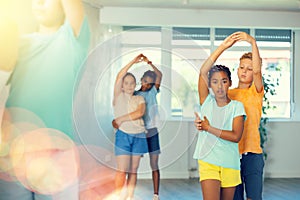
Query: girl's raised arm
(206,66)
(122,73)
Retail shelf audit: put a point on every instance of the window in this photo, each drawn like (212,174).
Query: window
(275,48)
(193,45)
(180,51)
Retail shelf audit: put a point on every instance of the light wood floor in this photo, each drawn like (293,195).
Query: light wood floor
(189,189)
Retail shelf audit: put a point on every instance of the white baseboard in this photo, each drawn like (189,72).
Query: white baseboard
(166,175)
(187,175)
(281,174)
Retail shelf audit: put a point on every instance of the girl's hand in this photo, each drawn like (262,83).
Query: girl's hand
(139,58)
(242,36)
(146,60)
(229,41)
(197,122)
(201,125)
(205,124)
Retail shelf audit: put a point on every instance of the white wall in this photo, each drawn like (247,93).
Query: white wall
(283,150)
(198,17)
(284,136)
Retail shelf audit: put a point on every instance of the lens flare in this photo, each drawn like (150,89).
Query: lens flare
(45,160)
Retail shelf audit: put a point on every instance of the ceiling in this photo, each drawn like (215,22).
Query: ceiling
(269,5)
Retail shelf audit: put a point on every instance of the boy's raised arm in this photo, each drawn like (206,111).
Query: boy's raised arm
(256,60)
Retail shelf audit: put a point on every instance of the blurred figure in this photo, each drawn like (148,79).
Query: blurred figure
(130,142)
(150,88)
(8,57)
(44,76)
(49,61)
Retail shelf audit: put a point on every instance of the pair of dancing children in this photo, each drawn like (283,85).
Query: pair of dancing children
(228,147)
(136,114)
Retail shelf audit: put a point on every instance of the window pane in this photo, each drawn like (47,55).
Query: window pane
(273,35)
(222,33)
(141,35)
(276,69)
(180,33)
(275,49)
(186,63)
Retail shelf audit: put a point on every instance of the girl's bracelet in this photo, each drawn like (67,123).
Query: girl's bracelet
(149,62)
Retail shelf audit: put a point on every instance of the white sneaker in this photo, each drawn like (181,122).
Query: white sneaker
(155,197)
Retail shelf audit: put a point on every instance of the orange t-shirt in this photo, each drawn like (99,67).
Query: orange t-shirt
(252,101)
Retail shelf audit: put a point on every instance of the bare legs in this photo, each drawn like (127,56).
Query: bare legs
(123,162)
(132,175)
(127,165)
(211,190)
(155,172)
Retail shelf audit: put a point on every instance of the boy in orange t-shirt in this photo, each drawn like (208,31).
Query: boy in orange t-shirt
(250,92)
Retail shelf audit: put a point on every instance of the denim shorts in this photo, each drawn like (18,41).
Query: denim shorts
(153,141)
(130,144)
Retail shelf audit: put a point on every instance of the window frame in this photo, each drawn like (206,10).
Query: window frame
(166,43)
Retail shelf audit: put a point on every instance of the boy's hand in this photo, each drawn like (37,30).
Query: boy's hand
(114,124)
